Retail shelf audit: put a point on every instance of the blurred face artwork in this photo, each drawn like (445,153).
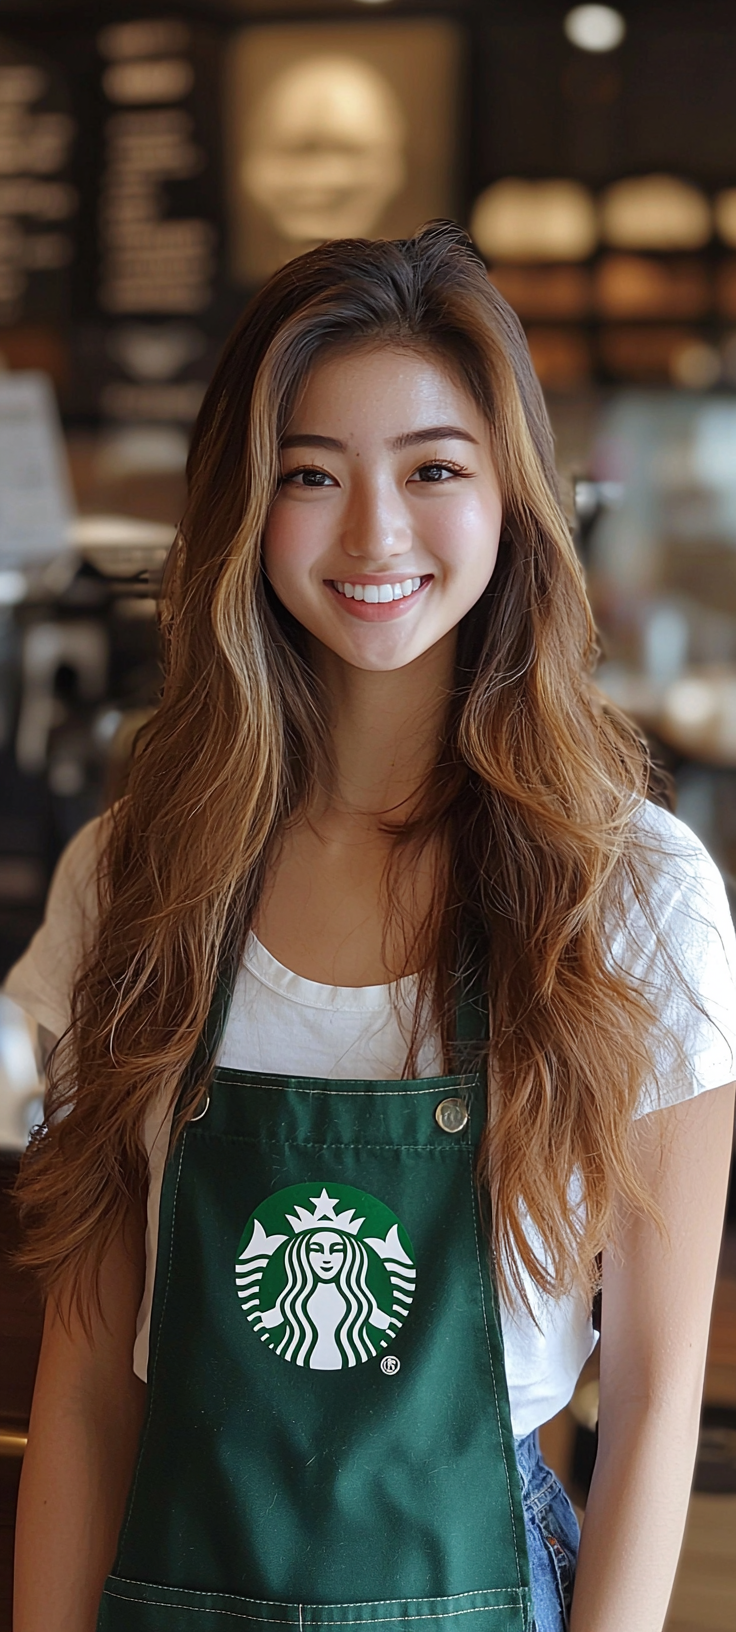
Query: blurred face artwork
(385,529)
(326,150)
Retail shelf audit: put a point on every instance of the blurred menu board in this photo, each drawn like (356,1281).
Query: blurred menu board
(38,203)
(152,259)
(146,341)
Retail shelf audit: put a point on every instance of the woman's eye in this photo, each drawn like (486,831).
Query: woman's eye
(308,476)
(437,472)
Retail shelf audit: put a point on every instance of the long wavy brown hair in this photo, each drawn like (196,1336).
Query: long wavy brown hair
(531,803)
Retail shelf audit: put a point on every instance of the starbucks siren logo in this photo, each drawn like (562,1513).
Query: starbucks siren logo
(325,1280)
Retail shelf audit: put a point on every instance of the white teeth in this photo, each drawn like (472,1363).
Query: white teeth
(377,592)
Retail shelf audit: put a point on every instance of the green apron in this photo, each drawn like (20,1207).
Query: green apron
(328,1440)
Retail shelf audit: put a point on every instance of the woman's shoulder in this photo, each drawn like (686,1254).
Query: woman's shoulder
(41,981)
(679,869)
(79,861)
(675,908)
(678,940)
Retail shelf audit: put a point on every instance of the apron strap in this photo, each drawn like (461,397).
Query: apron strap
(212,1033)
(472,1024)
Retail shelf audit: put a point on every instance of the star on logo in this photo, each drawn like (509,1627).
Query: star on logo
(324,1206)
(324,1213)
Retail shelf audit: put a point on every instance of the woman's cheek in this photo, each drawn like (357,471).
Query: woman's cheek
(467,537)
(282,548)
(294,537)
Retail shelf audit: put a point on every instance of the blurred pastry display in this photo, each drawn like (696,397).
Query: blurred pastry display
(561,357)
(726,287)
(646,354)
(545,291)
(640,286)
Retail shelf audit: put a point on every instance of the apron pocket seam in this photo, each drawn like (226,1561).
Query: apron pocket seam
(317,1616)
(352,1603)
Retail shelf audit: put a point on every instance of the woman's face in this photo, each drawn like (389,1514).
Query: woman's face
(326,1253)
(385,528)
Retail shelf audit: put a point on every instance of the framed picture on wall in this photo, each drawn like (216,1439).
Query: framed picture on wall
(337,131)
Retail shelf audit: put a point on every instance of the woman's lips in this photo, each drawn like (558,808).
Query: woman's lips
(378,611)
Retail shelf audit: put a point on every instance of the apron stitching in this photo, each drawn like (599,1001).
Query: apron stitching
(356,1603)
(272,1620)
(354,1093)
(301,1620)
(131,1500)
(493,1373)
(321,1144)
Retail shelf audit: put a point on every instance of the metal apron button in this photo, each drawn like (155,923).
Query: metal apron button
(451,1115)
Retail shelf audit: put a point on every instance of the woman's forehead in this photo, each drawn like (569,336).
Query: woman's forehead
(383,382)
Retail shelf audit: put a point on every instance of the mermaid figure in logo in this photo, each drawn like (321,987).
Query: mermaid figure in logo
(326,1303)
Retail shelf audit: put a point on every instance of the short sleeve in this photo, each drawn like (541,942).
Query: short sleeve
(41,981)
(687,967)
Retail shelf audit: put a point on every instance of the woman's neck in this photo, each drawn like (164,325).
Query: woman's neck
(385,730)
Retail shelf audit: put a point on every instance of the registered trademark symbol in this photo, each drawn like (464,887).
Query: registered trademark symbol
(390,1364)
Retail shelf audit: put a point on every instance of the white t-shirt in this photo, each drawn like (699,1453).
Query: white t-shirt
(280,1022)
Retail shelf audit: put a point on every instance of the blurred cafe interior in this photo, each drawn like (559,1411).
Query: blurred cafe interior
(157,162)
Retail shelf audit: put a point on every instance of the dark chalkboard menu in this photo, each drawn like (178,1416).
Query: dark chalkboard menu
(111,229)
(155,168)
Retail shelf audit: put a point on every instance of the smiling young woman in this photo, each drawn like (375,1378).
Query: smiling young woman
(398,1006)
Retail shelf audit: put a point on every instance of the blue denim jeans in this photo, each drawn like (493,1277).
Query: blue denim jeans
(552,1535)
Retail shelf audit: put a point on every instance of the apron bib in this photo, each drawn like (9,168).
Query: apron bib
(327,1440)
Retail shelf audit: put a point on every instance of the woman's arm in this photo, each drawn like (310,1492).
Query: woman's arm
(657,1296)
(85,1423)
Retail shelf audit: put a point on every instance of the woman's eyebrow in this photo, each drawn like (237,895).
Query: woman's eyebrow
(408,439)
(431,433)
(302,439)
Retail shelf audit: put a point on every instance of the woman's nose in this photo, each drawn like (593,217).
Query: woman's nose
(377,527)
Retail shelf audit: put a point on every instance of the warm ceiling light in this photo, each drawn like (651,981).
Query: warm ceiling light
(519,220)
(595,28)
